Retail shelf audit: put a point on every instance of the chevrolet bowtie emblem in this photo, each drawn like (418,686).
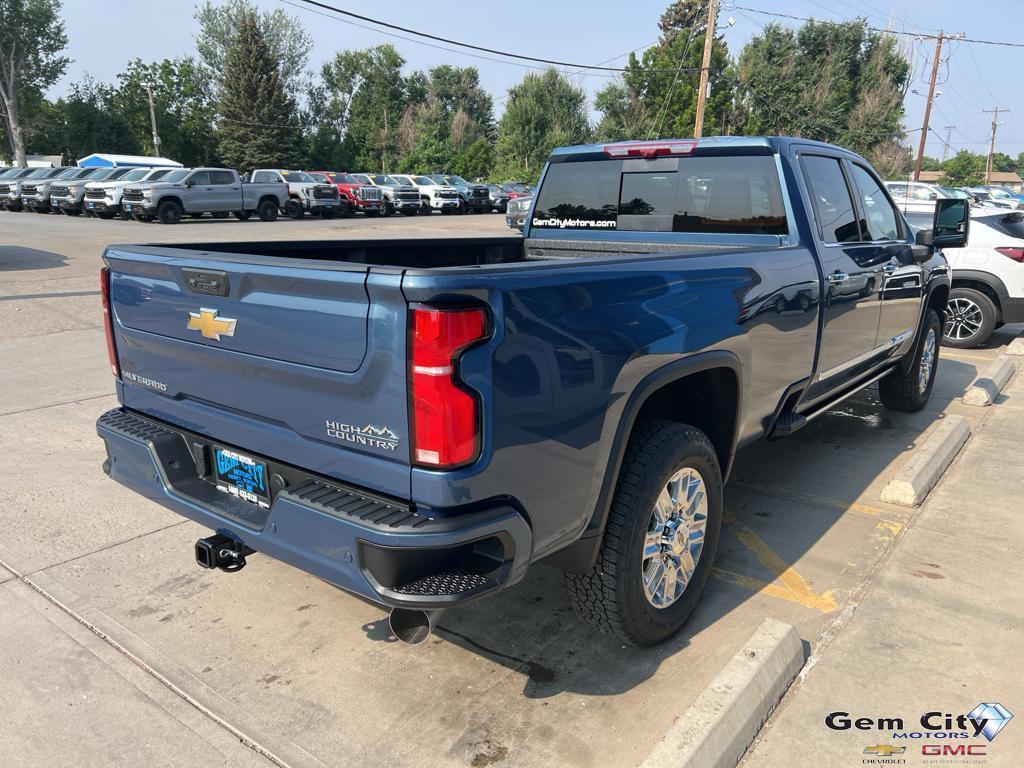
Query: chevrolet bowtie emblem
(207,323)
(884,750)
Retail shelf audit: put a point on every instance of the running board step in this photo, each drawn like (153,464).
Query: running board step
(787,424)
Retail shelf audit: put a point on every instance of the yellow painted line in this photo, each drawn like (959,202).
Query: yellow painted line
(786,493)
(794,587)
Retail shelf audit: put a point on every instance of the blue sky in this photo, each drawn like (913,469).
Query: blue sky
(106,34)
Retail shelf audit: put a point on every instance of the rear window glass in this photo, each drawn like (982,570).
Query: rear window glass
(726,195)
(1012,224)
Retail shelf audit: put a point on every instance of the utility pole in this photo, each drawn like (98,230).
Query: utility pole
(945,147)
(928,106)
(152,120)
(992,145)
(702,91)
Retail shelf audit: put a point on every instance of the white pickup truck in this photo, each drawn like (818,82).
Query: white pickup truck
(304,192)
(103,198)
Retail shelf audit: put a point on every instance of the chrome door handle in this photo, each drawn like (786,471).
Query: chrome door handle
(889,269)
(837,278)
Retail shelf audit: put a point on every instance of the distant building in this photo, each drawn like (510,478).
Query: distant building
(999,178)
(43,161)
(104,160)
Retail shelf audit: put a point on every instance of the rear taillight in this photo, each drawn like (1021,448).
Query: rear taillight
(650,149)
(108,321)
(445,415)
(1017,254)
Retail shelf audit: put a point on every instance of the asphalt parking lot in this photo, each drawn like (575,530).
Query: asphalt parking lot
(119,650)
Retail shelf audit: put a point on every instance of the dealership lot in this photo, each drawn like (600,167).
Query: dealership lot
(114,621)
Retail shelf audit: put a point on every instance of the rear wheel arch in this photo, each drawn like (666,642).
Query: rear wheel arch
(990,285)
(714,383)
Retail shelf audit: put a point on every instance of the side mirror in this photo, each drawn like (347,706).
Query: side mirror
(933,196)
(189,183)
(952,223)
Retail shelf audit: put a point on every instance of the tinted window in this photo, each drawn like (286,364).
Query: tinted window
(879,217)
(199,179)
(832,205)
(222,177)
(581,195)
(729,195)
(1012,224)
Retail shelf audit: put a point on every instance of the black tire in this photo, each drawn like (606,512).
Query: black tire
(414,212)
(389,209)
(328,213)
(611,596)
(462,207)
(267,210)
(72,213)
(971,316)
(105,215)
(221,214)
(293,209)
(901,391)
(169,212)
(371,214)
(447,211)
(426,208)
(245,215)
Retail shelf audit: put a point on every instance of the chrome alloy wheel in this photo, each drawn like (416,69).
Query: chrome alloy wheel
(924,373)
(675,537)
(963,319)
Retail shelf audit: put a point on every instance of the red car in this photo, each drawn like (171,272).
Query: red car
(355,195)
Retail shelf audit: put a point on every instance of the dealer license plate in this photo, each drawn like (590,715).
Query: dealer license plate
(242,476)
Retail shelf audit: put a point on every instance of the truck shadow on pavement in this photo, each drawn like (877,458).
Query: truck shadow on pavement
(788,494)
(15,258)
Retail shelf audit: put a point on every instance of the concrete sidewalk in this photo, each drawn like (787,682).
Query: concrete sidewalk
(940,629)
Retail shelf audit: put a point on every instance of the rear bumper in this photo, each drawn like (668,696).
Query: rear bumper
(378,548)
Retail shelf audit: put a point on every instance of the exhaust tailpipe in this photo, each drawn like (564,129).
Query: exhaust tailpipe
(412,625)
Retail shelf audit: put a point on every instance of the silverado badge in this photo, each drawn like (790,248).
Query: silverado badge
(207,323)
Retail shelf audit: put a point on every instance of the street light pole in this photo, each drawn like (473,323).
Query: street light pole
(152,120)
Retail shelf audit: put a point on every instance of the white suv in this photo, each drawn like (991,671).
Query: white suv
(988,276)
(916,196)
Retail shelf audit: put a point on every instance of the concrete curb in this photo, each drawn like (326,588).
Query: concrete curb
(717,728)
(1016,347)
(990,382)
(924,468)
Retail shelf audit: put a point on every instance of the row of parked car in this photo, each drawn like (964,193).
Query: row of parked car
(170,194)
(988,274)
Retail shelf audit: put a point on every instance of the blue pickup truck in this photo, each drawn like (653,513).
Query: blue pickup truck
(418,421)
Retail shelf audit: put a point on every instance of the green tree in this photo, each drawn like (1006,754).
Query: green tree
(288,41)
(841,83)
(258,121)
(965,169)
(32,41)
(363,96)
(1003,162)
(185,114)
(657,94)
(88,120)
(930,163)
(543,111)
(449,113)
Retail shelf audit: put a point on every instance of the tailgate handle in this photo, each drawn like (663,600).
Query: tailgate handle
(210,282)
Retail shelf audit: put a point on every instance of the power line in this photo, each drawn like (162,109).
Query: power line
(877,29)
(407,30)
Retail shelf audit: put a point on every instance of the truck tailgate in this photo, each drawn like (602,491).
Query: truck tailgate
(303,362)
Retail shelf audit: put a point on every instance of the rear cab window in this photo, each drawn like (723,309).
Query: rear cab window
(734,194)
